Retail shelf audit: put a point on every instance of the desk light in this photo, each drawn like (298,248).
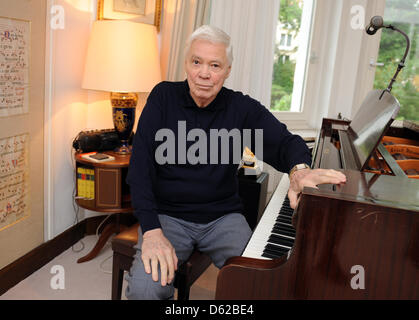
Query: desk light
(122,57)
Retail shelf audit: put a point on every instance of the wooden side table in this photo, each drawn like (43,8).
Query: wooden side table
(111,194)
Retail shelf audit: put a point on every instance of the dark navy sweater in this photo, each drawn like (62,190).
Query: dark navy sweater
(199,192)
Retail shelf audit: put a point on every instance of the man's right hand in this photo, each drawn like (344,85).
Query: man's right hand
(157,250)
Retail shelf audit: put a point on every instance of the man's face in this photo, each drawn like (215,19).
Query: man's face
(207,68)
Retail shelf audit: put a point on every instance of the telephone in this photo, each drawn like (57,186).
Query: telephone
(96,140)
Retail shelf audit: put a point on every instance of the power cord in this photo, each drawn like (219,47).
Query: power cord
(76,210)
(101,268)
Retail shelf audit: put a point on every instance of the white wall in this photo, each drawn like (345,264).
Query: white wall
(65,109)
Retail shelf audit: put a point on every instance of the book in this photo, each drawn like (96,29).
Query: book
(81,182)
(85,183)
(90,183)
(80,189)
(97,157)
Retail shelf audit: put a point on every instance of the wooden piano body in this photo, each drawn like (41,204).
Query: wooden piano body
(359,240)
(361,223)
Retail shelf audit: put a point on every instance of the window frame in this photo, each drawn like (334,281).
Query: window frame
(328,80)
(299,120)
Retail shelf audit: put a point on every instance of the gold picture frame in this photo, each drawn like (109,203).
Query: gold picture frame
(106,11)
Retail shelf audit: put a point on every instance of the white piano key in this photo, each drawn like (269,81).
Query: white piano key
(259,239)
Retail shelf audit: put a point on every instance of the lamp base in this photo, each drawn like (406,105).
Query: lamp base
(123,111)
(124,149)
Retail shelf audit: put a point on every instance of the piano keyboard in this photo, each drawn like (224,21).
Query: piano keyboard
(274,235)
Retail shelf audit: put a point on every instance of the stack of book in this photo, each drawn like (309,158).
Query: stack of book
(85,183)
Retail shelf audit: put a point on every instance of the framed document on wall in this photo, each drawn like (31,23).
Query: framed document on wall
(143,11)
(14,66)
(14,180)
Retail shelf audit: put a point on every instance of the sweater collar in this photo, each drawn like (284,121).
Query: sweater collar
(220,101)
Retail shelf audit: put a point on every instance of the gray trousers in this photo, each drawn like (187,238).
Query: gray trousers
(220,239)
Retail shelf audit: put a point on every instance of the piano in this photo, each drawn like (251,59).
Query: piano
(359,240)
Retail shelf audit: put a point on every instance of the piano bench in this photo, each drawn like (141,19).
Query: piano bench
(123,256)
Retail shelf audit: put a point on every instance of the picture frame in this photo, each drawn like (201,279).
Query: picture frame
(15,56)
(143,11)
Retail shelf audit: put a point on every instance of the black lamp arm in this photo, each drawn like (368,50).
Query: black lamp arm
(402,61)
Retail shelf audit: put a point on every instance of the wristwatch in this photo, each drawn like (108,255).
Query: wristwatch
(297,167)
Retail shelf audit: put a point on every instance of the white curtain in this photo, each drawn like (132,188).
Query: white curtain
(251,25)
(180,19)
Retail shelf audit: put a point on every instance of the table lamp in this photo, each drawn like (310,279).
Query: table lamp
(122,57)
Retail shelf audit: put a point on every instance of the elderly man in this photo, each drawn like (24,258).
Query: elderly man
(181,205)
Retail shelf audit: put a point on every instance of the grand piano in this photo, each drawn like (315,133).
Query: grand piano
(359,240)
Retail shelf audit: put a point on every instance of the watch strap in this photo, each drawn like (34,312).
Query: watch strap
(297,167)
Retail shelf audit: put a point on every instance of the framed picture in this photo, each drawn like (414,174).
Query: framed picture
(144,11)
(15,48)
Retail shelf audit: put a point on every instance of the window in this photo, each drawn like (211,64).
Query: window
(291,53)
(289,40)
(403,14)
(282,42)
(324,71)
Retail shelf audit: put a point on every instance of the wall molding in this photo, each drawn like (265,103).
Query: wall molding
(48,166)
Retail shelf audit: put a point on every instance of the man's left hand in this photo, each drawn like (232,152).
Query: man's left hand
(311,178)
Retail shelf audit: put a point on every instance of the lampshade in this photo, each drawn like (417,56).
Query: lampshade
(122,56)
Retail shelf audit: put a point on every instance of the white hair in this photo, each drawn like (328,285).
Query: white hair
(212,34)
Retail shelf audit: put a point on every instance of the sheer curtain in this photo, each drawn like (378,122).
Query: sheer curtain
(251,25)
(180,19)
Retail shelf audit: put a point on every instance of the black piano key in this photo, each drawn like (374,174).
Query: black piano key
(286,219)
(271,256)
(287,216)
(283,219)
(273,253)
(275,248)
(283,231)
(284,227)
(286,206)
(286,211)
(286,203)
(274,238)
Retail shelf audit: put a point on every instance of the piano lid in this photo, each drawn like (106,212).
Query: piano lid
(383,190)
(371,122)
